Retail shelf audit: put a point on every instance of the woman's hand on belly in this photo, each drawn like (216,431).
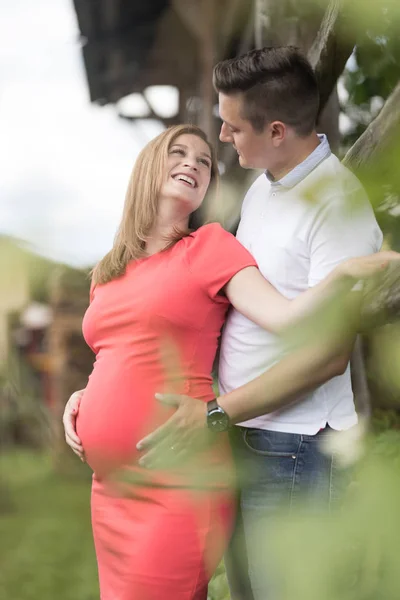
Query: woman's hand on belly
(69,421)
(113,418)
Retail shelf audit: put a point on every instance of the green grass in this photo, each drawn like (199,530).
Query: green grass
(46,548)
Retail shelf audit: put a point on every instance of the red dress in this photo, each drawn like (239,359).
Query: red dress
(155,329)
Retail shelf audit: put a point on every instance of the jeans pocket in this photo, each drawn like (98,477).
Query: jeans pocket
(271,443)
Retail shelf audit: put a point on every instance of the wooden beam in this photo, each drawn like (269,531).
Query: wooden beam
(109,11)
(233,8)
(207,51)
(200,17)
(192,15)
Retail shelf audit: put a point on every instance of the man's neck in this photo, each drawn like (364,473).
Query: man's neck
(299,152)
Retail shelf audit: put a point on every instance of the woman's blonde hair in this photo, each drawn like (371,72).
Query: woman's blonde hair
(141,203)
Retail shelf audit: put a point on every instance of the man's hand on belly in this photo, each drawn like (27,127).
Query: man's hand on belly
(184,434)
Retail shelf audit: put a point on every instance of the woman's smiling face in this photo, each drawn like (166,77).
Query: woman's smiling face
(188,172)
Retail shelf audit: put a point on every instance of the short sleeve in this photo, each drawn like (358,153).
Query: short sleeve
(344,227)
(215,256)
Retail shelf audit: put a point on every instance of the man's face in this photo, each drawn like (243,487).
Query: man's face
(255,150)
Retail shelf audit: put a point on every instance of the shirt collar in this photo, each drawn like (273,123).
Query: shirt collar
(300,172)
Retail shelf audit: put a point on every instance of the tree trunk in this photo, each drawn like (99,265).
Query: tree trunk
(378,136)
(331,49)
(328,121)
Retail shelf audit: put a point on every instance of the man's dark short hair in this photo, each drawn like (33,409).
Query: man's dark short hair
(277,84)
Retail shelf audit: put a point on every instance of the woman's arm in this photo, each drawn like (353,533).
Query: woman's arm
(257,299)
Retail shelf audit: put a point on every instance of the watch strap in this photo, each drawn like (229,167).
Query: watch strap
(212,405)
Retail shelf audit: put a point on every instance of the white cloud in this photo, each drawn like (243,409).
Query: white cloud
(65,162)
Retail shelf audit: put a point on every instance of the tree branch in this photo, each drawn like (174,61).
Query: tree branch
(381,303)
(359,380)
(378,135)
(331,49)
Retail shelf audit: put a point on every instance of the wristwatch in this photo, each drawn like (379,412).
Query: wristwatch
(217,419)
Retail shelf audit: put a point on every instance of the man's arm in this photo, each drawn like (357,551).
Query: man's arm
(301,371)
(298,372)
(321,349)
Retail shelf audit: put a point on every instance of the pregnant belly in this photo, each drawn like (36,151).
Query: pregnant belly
(113,418)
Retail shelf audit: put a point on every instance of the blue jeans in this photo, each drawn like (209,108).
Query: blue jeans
(277,472)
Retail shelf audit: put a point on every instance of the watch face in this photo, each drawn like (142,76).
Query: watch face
(218,420)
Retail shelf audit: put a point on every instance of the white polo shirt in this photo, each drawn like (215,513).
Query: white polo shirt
(298,229)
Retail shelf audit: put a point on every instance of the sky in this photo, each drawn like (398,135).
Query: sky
(65,163)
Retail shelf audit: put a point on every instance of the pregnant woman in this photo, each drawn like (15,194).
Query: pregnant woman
(158,301)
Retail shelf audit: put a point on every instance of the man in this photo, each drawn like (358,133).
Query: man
(304,215)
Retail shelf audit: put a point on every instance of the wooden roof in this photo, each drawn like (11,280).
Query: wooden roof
(131,44)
